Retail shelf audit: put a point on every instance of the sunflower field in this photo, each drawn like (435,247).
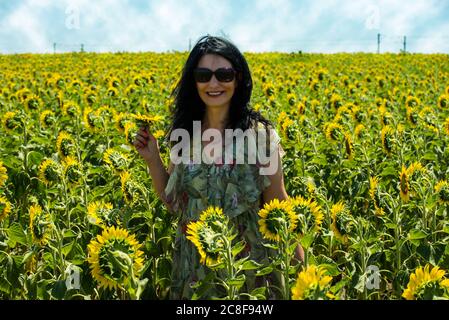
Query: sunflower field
(366,167)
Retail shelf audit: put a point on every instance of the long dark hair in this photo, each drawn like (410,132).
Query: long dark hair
(188,104)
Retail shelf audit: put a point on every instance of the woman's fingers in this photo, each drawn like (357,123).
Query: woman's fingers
(141,139)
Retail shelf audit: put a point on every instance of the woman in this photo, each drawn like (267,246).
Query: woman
(215,90)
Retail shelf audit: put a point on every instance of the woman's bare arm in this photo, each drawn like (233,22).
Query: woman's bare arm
(276,190)
(147,146)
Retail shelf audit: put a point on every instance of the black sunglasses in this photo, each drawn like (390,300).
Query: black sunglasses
(222,74)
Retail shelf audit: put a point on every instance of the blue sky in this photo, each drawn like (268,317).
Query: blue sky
(265,25)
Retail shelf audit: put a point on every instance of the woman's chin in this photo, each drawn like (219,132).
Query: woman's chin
(217,104)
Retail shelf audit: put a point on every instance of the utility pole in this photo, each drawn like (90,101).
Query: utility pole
(54,47)
(405,44)
(190,44)
(82,47)
(378,43)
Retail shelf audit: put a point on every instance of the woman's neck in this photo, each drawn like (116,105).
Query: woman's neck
(215,119)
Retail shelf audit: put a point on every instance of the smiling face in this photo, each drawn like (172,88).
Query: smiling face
(215,94)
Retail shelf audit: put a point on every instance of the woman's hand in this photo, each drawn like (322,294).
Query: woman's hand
(147,146)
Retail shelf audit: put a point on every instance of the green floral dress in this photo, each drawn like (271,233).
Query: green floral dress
(237,189)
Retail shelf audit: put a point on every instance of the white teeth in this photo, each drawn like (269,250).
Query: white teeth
(215,93)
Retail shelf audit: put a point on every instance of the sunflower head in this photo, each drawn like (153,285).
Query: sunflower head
(312,284)
(426,284)
(309,215)
(115,159)
(92,120)
(374,193)
(130,131)
(32,102)
(65,145)
(102,214)
(49,171)
(443,101)
(442,191)
(289,129)
(206,234)
(40,224)
(5,208)
(145,121)
(349,146)
(343,224)
(90,97)
(12,121)
(412,102)
(404,185)
(291,99)
(334,131)
(120,120)
(131,189)
(412,116)
(47,118)
(3,175)
(387,136)
(213,217)
(359,130)
(71,109)
(277,218)
(114,257)
(72,169)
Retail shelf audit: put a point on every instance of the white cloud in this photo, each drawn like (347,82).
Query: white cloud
(264,25)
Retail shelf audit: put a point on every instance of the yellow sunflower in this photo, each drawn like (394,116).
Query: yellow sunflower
(49,171)
(92,120)
(112,255)
(115,159)
(333,131)
(443,101)
(359,129)
(404,185)
(412,116)
(301,108)
(120,120)
(288,128)
(159,134)
(291,99)
(312,284)
(277,217)
(101,214)
(32,102)
(387,136)
(112,92)
(412,102)
(65,145)
(309,214)
(204,235)
(70,108)
(146,121)
(130,189)
(442,190)
(349,146)
(11,121)
(72,169)
(130,129)
(40,225)
(426,284)
(47,118)
(375,195)
(5,208)
(342,222)
(3,175)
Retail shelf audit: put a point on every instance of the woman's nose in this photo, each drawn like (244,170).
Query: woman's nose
(213,80)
